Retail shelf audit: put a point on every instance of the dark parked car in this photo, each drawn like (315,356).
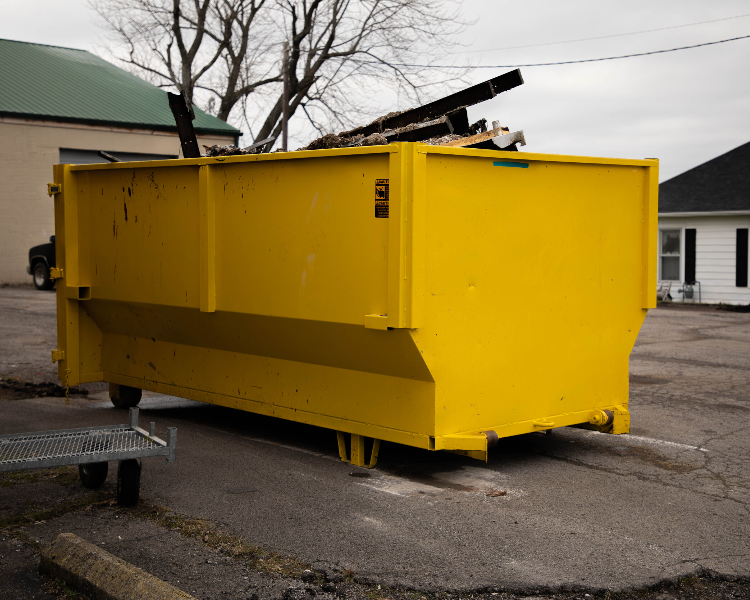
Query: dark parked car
(41,260)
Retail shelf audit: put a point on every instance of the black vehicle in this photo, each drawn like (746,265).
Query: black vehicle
(41,260)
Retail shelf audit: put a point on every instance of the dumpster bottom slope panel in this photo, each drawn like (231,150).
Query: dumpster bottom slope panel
(349,346)
(311,393)
(370,430)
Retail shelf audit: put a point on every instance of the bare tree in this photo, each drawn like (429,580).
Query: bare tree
(189,45)
(343,53)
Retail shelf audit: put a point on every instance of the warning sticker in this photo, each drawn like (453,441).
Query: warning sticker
(381,198)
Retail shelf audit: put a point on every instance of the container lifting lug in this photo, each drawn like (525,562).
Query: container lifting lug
(53,188)
(55,273)
(58,355)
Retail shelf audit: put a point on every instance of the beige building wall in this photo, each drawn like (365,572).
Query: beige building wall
(28,150)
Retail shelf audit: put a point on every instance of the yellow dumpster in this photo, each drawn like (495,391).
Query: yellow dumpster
(430,296)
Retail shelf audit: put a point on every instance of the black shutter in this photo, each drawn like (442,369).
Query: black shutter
(689,256)
(741,257)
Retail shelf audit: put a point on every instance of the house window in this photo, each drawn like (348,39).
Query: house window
(670,254)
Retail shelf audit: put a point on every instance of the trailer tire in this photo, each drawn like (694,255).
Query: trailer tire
(128,482)
(93,475)
(124,396)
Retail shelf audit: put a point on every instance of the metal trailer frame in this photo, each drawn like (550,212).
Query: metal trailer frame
(85,446)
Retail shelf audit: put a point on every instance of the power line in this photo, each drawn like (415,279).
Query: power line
(604,37)
(566,62)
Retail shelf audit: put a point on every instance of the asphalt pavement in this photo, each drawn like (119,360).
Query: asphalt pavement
(548,511)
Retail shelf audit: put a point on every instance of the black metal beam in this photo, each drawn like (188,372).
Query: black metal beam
(184,123)
(467,97)
(459,121)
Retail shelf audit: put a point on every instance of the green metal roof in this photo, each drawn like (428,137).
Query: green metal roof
(65,84)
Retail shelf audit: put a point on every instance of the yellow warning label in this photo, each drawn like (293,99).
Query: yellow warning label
(381,198)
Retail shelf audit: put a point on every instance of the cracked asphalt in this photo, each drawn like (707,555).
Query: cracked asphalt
(570,510)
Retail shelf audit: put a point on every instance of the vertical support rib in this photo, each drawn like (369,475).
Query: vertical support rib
(650,232)
(66,248)
(407,172)
(207,205)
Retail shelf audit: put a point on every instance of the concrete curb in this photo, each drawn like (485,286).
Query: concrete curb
(101,575)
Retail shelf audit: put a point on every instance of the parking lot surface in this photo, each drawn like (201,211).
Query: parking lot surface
(570,509)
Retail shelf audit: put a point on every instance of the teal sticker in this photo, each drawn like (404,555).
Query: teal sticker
(501,163)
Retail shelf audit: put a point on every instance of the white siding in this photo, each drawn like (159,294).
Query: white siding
(715,257)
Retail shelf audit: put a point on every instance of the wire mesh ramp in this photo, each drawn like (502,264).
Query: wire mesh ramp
(91,448)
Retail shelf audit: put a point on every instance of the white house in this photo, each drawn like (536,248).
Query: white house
(704,217)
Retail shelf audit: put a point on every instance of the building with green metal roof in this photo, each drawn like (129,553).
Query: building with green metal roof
(64,105)
(75,86)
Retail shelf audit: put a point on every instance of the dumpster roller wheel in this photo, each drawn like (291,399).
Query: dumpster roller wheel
(124,396)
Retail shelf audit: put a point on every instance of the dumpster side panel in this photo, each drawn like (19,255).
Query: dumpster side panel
(352,347)
(369,377)
(537,300)
(299,238)
(287,238)
(139,234)
(247,283)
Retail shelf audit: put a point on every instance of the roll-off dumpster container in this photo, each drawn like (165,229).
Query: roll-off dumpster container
(431,296)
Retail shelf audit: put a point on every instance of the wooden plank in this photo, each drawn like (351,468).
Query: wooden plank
(472,139)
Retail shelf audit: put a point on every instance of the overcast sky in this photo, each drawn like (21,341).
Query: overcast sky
(682,107)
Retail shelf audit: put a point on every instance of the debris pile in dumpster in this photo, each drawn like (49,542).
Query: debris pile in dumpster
(230,150)
(444,122)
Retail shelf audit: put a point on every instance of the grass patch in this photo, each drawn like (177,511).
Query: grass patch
(57,587)
(688,581)
(230,545)
(98,498)
(22,536)
(62,475)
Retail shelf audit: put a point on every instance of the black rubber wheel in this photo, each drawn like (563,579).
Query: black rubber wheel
(93,475)
(128,482)
(40,274)
(124,396)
